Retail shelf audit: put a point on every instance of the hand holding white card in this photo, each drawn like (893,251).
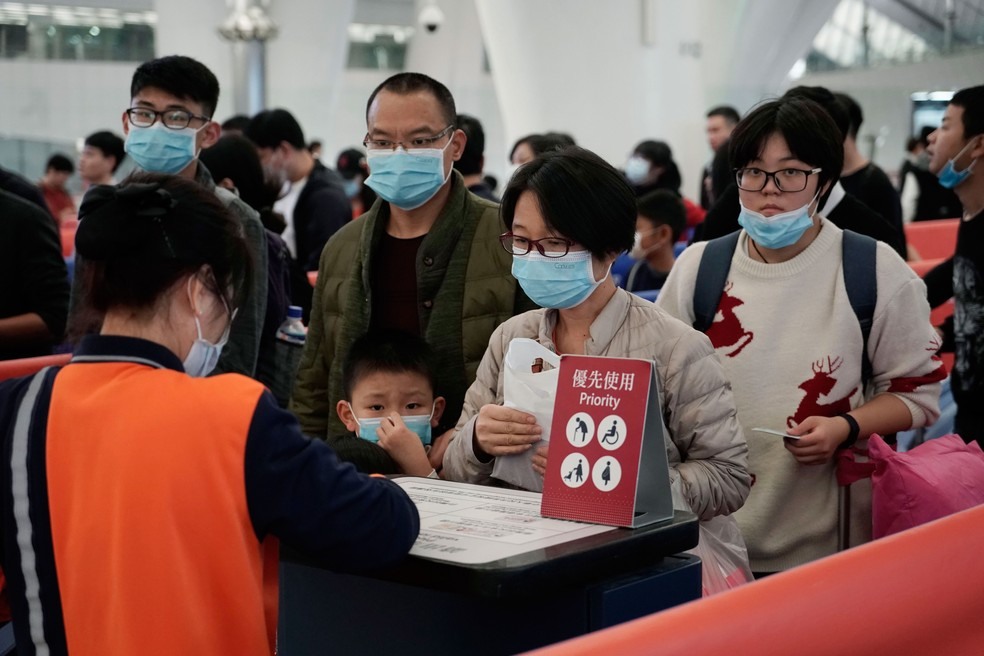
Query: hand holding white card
(775,432)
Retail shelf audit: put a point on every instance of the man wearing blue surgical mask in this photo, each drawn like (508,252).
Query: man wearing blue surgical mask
(955,150)
(168,123)
(422,260)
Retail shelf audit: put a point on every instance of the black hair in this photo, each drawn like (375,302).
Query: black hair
(140,238)
(562,139)
(182,77)
(828,101)
(111,145)
(314,145)
(971,100)
(663,207)
(59,163)
(471,158)
(387,352)
(581,197)
(727,112)
(404,84)
(924,134)
(543,143)
(854,114)
(237,122)
(659,153)
(351,162)
(911,143)
(271,127)
(234,156)
(809,131)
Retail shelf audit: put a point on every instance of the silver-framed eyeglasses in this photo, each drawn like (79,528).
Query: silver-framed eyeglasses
(175,119)
(417,143)
(750,178)
(547,247)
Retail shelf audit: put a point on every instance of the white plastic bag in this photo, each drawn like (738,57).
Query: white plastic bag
(530,392)
(723,555)
(721,549)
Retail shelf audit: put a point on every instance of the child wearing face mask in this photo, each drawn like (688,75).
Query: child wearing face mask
(660,221)
(390,406)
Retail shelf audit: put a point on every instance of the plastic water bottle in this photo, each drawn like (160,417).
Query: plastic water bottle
(292,330)
(288,350)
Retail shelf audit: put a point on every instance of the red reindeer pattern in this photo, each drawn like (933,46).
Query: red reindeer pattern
(728,332)
(912,383)
(821,384)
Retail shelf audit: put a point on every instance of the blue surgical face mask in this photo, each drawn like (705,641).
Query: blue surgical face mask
(636,170)
(418,424)
(407,179)
(949,176)
(558,283)
(162,150)
(779,230)
(351,188)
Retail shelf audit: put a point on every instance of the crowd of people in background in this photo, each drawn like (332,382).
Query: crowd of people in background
(413,279)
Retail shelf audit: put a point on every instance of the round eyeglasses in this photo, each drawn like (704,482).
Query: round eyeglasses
(175,119)
(753,179)
(547,247)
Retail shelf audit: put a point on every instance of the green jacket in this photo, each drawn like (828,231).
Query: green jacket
(465,290)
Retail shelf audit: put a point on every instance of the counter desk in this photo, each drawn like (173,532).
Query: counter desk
(488,575)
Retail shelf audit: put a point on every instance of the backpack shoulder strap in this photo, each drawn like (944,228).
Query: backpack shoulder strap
(712,274)
(861,282)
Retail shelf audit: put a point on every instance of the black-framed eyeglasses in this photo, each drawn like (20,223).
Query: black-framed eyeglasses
(176,119)
(750,178)
(417,143)
(547,247)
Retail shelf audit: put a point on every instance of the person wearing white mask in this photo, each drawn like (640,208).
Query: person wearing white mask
(167,125)
(791,340)
(139,482)
(423,260)
(570,214)
(659,224)
(651,167)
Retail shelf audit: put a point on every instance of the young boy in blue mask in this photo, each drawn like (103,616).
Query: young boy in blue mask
(389,405)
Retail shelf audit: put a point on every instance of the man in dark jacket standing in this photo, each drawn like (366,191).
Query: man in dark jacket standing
(314,203)
(425,259)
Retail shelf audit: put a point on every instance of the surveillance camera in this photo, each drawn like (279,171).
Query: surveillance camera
(431,17)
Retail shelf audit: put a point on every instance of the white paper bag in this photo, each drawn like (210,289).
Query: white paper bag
(532,393)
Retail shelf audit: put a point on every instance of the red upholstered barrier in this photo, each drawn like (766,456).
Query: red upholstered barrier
(67,232)
(933,239)
(28,366)
(916,592)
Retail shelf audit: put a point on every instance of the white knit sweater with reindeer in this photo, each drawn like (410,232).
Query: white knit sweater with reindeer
(791,345)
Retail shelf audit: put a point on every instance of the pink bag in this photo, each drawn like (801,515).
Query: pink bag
(937,478)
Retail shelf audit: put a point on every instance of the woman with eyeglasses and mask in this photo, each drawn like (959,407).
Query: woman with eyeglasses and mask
(791,340)
(571,208)
(141,502)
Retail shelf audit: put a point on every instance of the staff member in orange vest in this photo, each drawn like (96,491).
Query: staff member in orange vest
(140,500)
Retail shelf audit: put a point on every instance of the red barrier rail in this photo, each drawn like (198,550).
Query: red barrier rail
(28,366)
(916,592)
(933,239)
